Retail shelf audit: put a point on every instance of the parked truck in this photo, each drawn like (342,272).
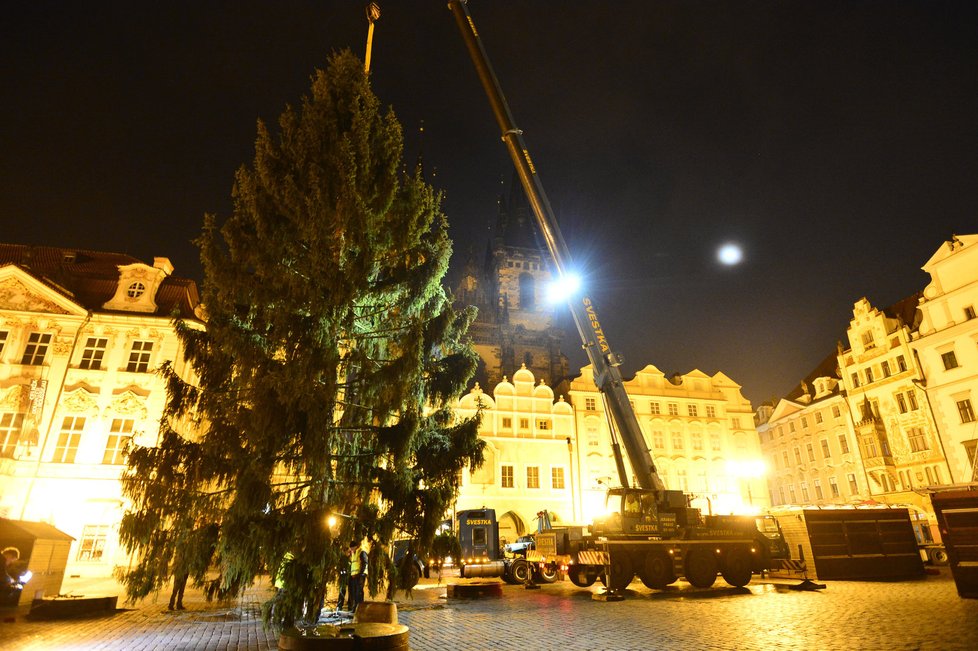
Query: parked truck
(482,556)
(654,531)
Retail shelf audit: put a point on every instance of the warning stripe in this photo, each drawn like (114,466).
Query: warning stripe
(794,566)
(592,558)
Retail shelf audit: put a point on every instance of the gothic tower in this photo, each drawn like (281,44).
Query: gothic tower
(516,323)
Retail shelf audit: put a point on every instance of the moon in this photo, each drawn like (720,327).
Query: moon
(730,254)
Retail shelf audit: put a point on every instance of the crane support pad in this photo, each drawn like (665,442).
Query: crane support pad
(592,558)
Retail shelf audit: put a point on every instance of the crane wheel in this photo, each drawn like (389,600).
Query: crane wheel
(736,567)
(622,571)
(580,577)
(701,567)
(656,571)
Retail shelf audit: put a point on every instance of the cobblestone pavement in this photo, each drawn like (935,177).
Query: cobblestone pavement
(924,614)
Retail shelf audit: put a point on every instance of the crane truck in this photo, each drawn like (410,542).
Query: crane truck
(653,532)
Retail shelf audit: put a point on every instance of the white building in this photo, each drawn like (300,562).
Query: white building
(529,456)
(946,346)
(699,429)
(81,335)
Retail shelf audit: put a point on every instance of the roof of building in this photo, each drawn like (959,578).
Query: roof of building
(90,278)
(13,530)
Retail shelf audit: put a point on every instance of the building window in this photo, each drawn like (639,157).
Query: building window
(507,422)
(784,457)
(836,412)
(791,426)
(673,409)
(965,411)
(3,340)
(853,487)
(92,543)
(811,451)
(869,445)
(697,441)
(532,477)
(780,432)
(677,441)
(843,444)
(818,489)
(524,423)
(543,424)
(119,436)
(912,399)
(804,422)
(918,440)
(901,363)
(506,475)
(654,408)
(11,426)
(950,360)
(589,404)
(711,411)
(868,341)
(37,348)
(135,290)
(804,491)
(93,353)
(901,403)
(885,365)
(930,477)
(834,487)
(139,356)
(715,442)
(798,455)
(68,439)
(692,410)
(818,418)
(781,494)
(825,449)
(791,494)
(855,379)
(557,478)
(969,313)
(658,440)
(869,376)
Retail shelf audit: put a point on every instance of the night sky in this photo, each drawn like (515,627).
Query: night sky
(836,142)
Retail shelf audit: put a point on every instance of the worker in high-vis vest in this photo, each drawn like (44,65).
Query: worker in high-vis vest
(358,576)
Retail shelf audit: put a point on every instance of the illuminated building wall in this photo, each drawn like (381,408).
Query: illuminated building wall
(529,455)
(946,347)
(700,431)
(81,334)
(810,450)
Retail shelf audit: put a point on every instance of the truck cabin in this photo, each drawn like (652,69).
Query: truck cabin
(478,535)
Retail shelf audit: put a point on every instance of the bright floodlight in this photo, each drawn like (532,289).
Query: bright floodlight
(730,254)
(563,288)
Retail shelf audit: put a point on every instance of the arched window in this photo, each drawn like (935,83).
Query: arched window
(527,292)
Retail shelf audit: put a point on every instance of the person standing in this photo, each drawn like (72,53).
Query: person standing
(358,576)
(344,580)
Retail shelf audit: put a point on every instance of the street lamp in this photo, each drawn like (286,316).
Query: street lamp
(747,469)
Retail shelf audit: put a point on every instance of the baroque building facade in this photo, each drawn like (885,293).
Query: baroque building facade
(81,335)
(945,346)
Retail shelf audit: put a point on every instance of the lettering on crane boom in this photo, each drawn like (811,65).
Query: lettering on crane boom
(596,325)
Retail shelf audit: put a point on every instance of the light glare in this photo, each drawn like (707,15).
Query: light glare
(563,288)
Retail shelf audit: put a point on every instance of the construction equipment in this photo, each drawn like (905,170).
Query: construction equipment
(653,530)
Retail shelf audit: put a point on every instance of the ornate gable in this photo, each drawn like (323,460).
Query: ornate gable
(21,292)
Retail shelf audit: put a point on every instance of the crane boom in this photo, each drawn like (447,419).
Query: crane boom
(605,363)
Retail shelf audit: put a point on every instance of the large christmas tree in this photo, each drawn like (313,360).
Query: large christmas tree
(320,390)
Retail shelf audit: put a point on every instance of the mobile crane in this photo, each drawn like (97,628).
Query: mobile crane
(656,533)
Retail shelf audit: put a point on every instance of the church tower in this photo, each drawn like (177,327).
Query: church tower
(516,323)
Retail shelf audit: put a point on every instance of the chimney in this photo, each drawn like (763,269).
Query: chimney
(164,264)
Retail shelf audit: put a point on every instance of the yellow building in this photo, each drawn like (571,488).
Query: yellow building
(946,347)
(699,429)
(81,335)
(529,455)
